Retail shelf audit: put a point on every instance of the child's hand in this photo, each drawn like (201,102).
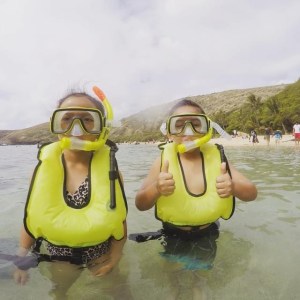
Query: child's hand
(105,264)
(224,183)
(165,183)
(103,270)
(21,276)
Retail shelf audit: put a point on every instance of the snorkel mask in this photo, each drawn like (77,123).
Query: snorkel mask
(192,125)
(77,121)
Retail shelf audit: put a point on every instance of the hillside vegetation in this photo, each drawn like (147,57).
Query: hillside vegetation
(243,109)
(144,126)
(278,112)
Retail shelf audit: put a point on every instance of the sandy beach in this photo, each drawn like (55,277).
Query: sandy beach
(239,141)
(286,141)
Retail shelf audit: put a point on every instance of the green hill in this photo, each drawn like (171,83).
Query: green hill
(278,112)
(33,135)
(144,126)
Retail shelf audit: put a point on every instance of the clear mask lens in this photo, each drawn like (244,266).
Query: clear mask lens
(188,124)
(76,119)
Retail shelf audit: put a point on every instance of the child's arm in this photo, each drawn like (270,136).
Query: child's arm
(25,244)
(237,185)
(158,182)
(106,263)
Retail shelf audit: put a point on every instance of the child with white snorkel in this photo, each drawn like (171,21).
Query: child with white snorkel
(191,184)
(76,205)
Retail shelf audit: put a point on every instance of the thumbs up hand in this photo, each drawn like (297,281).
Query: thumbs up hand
(165,183)
(224,183)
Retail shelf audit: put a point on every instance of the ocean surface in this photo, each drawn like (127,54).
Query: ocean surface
(256,254)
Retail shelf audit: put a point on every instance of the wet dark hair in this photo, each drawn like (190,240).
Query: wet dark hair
(186,102)
(95,101)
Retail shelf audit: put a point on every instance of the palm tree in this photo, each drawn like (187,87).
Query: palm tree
(277,112)
(255,104)
(273,105)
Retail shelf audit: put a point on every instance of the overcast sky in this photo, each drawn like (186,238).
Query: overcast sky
(140,52)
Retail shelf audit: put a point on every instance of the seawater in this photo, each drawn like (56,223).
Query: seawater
(257,251)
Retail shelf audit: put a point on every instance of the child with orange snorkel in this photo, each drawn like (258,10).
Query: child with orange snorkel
(76,205)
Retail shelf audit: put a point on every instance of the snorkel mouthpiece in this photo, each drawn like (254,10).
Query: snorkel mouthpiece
(189,145)
(77,144)
(184,147)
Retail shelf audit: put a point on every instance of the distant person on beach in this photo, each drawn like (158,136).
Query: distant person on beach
(277,136)
(235,134)
(191,185)
(72,209)
(267,135)
(253,137)
(296,133)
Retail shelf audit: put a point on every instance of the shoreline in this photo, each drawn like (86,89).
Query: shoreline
(239,141)
(286,141)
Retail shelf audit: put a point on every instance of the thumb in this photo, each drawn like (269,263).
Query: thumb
(165,166)
(223,168)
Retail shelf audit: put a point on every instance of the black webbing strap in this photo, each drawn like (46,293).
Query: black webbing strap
(113,172)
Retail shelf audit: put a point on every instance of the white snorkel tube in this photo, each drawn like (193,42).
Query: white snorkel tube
(221,131)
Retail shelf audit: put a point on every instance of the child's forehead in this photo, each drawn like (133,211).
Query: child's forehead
(186,109)
(77,102)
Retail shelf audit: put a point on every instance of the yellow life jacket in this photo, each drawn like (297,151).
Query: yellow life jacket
(47,215)
(183,208)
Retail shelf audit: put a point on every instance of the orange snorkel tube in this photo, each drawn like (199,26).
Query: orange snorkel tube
(109,112)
